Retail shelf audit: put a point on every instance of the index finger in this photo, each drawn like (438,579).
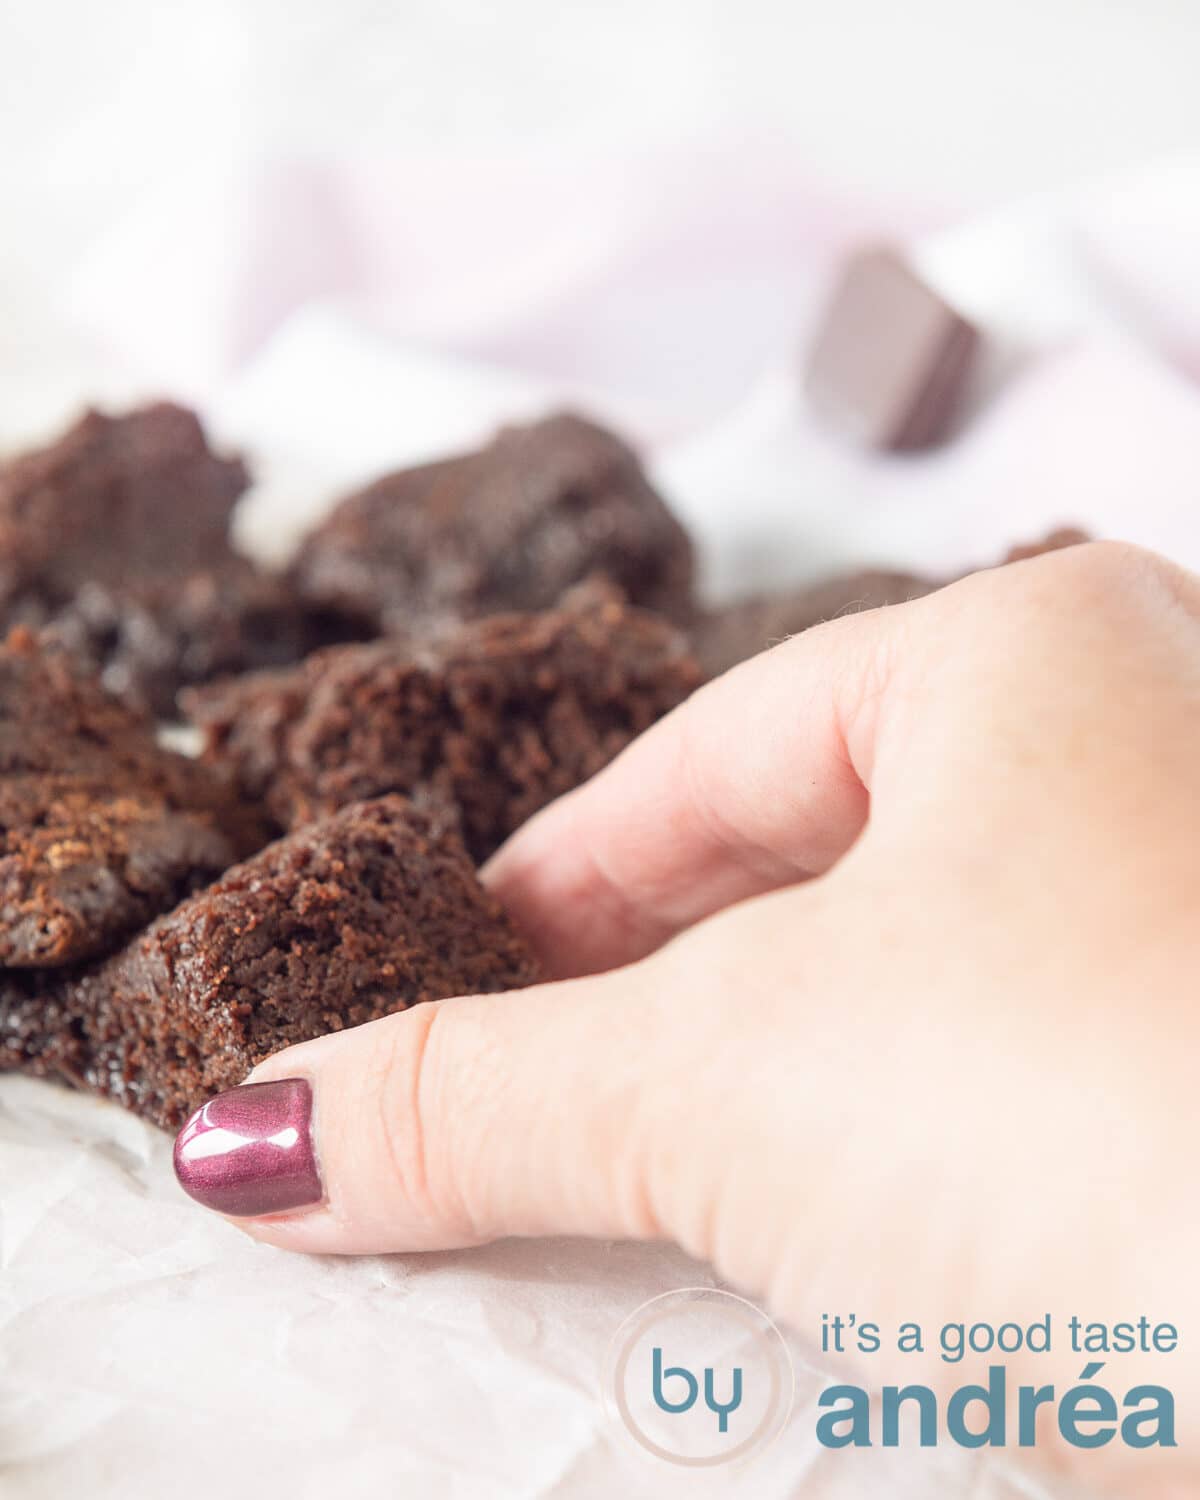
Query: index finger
(1007,681)
(758,781)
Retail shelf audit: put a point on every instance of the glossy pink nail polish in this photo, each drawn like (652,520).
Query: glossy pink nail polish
(249,1152)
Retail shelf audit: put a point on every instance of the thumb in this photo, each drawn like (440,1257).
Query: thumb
(446,1125)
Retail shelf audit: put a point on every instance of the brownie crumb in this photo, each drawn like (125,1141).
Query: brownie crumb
(349,919)
(511,526)
(100,828)
(491,721)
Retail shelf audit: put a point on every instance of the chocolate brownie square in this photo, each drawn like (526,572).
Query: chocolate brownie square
(492,720)
(100,828)
(147,641)
(352,918)
(511,526)
(1054,541)
(115,500)
(114,541)
(723,637)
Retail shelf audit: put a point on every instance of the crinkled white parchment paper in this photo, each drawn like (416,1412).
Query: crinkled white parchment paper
(148,1349)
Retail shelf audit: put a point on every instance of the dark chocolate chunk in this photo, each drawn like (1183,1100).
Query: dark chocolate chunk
(491,721)
(509,527)
(348,920)
(891,359)
(100,828)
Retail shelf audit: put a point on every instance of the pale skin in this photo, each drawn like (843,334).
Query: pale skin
(875,986)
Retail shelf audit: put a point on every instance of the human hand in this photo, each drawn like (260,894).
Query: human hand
(874,985)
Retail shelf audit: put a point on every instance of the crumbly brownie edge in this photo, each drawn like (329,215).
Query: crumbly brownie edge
(348,920)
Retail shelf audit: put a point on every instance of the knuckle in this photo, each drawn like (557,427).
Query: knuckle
(1068,601)
(411,1088)
(1104,573)
(1040,642)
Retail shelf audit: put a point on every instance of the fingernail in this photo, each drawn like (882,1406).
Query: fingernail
(249,1152)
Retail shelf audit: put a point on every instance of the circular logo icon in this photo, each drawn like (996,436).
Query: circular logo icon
(699,1377)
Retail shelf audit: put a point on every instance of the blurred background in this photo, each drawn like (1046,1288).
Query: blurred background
(956,104)
(360,233)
